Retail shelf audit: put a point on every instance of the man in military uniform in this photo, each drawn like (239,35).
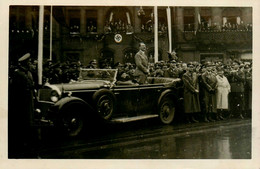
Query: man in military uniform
(21,106)
(209,86)
(248,89)
(237,80)
(141,62)
(191,94)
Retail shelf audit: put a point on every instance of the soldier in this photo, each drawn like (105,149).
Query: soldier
(92,64)
(248,89)
(237,80)
(209,84)
(21,105)
(141,62)
(191,94)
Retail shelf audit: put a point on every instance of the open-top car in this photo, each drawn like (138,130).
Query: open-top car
(98,96)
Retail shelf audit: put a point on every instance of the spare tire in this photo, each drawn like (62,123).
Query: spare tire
(167,110)
(105,103)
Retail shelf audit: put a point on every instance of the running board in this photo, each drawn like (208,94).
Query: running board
(129,119)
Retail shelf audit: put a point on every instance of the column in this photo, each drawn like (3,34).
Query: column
(196,19)
(137,21)
(217,16)
(28,17)
(179,19)
(82,21)
(100,20)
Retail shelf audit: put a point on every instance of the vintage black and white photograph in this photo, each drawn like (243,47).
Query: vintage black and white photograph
(130,82)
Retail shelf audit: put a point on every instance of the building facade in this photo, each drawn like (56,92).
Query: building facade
(111,34)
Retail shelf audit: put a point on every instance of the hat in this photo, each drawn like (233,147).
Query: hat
(24,57)
(247,66)
(190,65)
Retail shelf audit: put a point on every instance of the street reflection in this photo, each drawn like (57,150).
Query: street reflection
(231,143)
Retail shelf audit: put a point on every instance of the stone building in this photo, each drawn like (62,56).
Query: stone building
(111,34)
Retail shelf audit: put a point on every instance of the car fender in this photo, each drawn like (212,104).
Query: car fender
(71,100)
(166,93)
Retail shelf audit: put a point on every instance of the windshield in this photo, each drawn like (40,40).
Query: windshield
(98,74)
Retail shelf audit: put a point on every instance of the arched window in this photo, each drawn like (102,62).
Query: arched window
(205,18)
(150,55)
(118,19)
(106,58)
(129,55)
(188,19)
(231,16)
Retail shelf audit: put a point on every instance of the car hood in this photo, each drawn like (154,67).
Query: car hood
(83,85)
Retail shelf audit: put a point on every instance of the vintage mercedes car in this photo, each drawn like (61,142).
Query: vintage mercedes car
(98,97)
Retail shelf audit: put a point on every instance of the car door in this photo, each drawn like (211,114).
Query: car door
(127,97)
(148,98)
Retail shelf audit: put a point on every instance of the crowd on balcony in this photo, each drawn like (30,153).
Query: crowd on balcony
(149,27)
(204,26)
(118,27)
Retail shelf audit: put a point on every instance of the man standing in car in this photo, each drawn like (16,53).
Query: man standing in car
(141,62)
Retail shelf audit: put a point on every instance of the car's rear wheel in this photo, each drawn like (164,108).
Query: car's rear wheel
(167,110)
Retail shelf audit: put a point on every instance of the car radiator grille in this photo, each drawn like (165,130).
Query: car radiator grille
(44,94)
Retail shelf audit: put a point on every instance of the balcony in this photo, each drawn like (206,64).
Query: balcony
(219,40)
(224,37)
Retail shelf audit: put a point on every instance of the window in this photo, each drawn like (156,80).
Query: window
(74,21)
(162,21)
(147,21)
(205,18)
(91,16)
(188,19)
(231,17)
(118,19)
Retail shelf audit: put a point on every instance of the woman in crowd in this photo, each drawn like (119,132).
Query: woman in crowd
(223,89)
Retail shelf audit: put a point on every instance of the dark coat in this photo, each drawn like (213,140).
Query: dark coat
(209,86)
(21,94)
(237,80)
(142,70)
(191,98)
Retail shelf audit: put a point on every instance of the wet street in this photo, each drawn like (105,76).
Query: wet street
(228,139)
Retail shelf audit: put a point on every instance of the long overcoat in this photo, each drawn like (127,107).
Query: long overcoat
(209,82)
(141,71)
(223,89)
(191,98)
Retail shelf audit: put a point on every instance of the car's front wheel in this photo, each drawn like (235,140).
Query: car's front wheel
(167,110)
(73,122)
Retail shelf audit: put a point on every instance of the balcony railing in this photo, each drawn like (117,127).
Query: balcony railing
(215,37)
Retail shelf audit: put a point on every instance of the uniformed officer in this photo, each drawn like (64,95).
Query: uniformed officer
(237,80)
(209,86)
(21,105)
(191,94)
(248,89)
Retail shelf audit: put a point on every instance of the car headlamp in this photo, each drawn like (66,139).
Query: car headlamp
(54,96)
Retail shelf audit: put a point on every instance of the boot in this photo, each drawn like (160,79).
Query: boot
(206,119)
(241,116)
(193,119)
(210,117)
(218,116)
(188,118)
